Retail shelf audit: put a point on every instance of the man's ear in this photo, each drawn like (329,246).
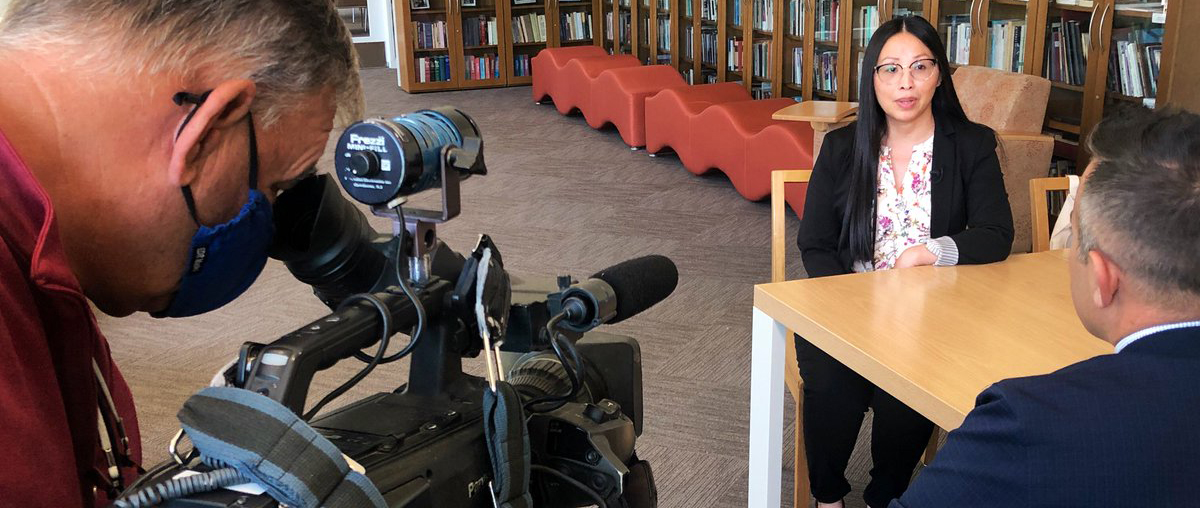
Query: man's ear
(1107,276)
(227,105)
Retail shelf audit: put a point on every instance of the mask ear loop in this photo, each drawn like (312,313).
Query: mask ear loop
(180,99)
(253,153)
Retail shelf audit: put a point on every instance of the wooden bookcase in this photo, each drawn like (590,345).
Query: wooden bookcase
(510,65)
(812,48)
(1082,96)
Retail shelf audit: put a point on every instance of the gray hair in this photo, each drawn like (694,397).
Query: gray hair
(1141,203)
(289,48)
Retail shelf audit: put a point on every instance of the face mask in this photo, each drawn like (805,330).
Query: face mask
(224,259)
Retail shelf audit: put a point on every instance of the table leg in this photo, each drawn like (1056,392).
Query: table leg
(768,339)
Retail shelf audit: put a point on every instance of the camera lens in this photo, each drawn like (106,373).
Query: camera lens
(540,374)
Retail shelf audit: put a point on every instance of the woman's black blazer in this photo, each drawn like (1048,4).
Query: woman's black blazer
(968,199)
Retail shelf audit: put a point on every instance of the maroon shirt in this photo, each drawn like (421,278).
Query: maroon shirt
(50,452)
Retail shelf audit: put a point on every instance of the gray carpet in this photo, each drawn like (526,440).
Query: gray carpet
(561,198)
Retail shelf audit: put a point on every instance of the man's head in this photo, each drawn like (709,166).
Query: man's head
(1136,222)
(88,103)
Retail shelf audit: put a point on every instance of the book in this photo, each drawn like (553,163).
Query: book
(760,58)
(733,55)
(1134,58)
(825,71)
(958,38)
(795,18)
(868,21)
(798,66)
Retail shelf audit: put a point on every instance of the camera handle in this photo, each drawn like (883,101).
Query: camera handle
(283,370)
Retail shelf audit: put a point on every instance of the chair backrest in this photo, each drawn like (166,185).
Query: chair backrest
(1039,209)
(1013,105)
(779,179)
(1004,101)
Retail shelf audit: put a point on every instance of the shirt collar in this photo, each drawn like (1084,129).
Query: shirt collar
(1135,336)
(27,220)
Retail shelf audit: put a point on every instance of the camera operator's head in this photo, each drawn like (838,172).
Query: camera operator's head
(162,131)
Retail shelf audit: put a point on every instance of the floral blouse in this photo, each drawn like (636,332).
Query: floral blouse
(902,218)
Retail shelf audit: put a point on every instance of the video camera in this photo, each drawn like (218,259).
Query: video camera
(423,445)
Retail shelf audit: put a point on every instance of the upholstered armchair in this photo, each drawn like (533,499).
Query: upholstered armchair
(1014,105)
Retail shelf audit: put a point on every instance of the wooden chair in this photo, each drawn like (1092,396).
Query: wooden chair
(791,376)
(1039,210)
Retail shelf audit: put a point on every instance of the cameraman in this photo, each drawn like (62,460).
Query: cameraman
(142,143)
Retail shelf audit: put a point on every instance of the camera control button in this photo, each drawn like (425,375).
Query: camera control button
(594,413)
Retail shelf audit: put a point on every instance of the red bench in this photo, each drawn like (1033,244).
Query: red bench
(781,145)
(720,134)
(619,97)
(575,83)
(669,114)
(548,66)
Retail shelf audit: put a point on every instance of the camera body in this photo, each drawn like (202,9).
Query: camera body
(424,444)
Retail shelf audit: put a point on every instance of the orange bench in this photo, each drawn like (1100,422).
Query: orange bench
(619,97)
(720,134)
(574,88)
(669,114)
(548,66)
(781,145)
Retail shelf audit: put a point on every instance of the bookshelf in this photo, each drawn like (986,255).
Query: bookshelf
(796,49)
(467,44)
(687,43)
(1108,50)
(867,16)
(1096,53)
(575,21)
(529,34)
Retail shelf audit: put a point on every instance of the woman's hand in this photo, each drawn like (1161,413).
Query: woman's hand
(916,255)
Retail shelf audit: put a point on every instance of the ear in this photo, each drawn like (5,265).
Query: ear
(227,105)
(1107,276)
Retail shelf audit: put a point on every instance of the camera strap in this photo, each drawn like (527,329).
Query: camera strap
(508,446)
(275,448)
(503,413)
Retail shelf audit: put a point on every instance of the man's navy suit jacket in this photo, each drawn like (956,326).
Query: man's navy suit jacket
(1115,430)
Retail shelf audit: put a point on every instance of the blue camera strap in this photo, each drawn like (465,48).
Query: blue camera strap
(275,448)
(508,446)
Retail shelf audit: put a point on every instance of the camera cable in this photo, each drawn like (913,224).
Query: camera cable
(408,291)
(571,366)
(181,487)
(384,339)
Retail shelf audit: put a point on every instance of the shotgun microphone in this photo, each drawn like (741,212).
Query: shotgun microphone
(618,292)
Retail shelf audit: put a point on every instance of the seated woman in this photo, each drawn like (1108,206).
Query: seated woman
(912,182)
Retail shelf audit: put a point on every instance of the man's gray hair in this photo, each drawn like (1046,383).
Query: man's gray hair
(289,48)
(1141,203)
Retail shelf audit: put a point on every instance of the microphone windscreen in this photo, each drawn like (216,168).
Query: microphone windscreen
(639,283)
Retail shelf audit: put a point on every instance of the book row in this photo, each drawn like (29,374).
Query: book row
(529,28)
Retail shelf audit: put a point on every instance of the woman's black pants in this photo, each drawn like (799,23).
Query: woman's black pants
(835,401)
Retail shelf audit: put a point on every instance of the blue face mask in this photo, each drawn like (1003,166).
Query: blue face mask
(224,259)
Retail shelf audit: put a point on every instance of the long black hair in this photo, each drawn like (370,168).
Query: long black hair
(872,125)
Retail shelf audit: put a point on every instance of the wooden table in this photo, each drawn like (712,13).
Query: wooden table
(823,115)
(934,337)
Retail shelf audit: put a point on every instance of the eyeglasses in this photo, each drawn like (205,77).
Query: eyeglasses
(921,70)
